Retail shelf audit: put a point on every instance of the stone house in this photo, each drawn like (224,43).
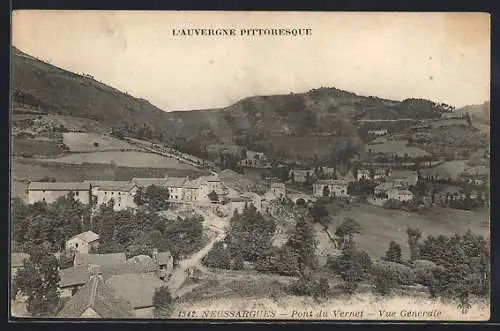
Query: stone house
(83,242)
(336,188)
(49,192)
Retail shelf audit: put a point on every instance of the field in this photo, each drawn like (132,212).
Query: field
(395,147)
(25,170)
(86,142)
(124,159)
(380,226)
(35,147)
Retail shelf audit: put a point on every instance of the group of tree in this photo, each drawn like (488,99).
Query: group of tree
(48,224)
(363,188)
(140,231)
(153,196)
(249,239)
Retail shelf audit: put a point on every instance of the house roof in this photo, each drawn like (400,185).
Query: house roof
(278,185)
(402,174)
(175,181)
(135,265)
(164,258)
(17,259)
(241,199)
(385,186)
(58,186)
(400,191)
(333,182)
(144,182)
(112,185)
(137,289)
(99,259)
(74,276)
(96,294)
(87,236)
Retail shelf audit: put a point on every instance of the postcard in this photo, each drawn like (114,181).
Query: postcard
(185,165)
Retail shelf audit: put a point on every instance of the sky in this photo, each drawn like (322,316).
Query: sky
(444,57)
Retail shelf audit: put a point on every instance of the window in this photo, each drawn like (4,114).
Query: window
(105,193)
(44,199)
(112,193)
(77,193)
(43,191)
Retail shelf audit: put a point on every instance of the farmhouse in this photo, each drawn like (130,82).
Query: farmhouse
(121,192)
(301,175)
(363,174)
(96,299)
(138,290)
(279,189)
(72,279)
(331,187)
(403,177)
(83,242)
(175,187)
(50,192)
(378,132)
(399,194)
(145,182)
(381,191)
(102,260)
(380,174)
(238,204)
(255,159)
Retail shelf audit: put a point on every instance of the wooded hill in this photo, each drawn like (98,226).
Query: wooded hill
(316,123)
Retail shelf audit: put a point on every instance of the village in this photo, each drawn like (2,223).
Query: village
(90,286)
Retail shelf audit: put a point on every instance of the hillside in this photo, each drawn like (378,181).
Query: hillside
(317,123)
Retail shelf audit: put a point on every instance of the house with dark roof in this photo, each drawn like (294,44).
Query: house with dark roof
(175,187)
(121,192)
(49,192)
(96,299)
(138,290)
(403,177)
(336,188)
(83,242)
(145,182)
(73,278)
(103,260)
(237,204)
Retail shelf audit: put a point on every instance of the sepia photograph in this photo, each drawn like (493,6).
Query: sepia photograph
(196,165)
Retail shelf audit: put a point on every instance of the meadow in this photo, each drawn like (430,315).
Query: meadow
(395,147)
(380,226)
(93,142)
(124,159)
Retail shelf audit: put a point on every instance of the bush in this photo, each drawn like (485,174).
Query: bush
(220,257)
(403,274)
(384,279)
(280,261)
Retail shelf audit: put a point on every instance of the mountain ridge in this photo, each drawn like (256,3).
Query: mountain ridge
(313,123)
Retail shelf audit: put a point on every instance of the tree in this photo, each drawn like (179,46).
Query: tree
(162,300)
(414,236)
(155,197)
(213,196)
(348,229)
(251,233)
(38,279)
(353,265)
(319,214)
(394,252)
(303,244)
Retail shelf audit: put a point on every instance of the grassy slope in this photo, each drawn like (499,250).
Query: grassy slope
(380,226)
(262,118)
